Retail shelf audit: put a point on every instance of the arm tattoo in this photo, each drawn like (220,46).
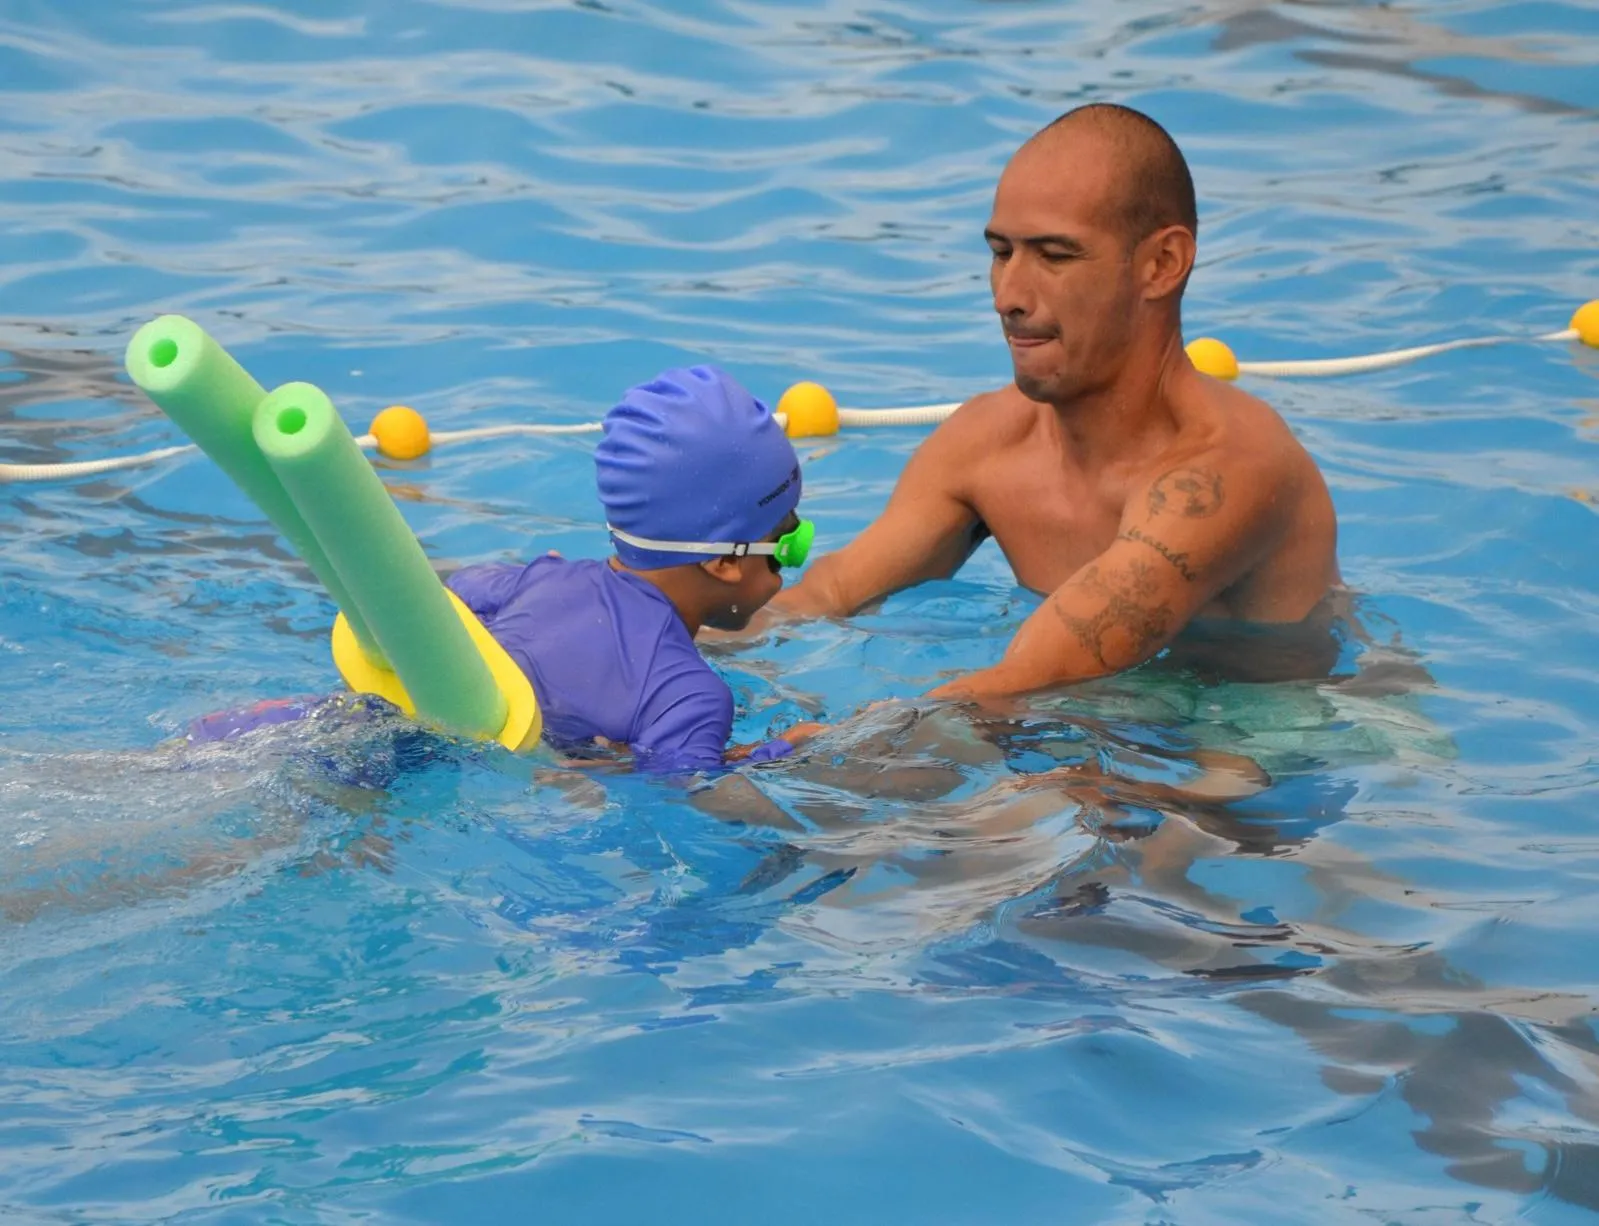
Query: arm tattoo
(1193,493)
(1177,557)
(1129,625)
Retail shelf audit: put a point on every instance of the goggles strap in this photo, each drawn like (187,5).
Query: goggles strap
(737,549)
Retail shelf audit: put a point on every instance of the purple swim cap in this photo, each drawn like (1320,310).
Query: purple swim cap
(692,456)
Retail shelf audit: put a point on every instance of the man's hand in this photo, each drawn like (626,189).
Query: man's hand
(1185,537)
(800,733)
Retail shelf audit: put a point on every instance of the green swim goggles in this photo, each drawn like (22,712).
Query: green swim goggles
(790,549)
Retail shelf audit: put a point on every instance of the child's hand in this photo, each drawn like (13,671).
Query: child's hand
(795,736)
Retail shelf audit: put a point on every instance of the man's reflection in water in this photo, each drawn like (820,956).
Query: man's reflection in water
(1460,1069)
(1094,839)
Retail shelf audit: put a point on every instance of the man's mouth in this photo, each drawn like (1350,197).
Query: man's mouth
(1027,340)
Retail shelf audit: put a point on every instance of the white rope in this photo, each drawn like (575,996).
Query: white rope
(917,415)
(922,415)
(463,436)
(86,468)
(1322,367)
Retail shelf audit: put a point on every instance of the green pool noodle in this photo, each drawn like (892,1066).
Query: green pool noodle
(380,561)
(212,399)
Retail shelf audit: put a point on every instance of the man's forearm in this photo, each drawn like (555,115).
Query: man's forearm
(987,684)
(1012,679)
(815,595)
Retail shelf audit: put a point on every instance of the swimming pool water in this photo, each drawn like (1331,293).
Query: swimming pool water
(236,986)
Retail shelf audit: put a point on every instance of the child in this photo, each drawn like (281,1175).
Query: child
(699,485)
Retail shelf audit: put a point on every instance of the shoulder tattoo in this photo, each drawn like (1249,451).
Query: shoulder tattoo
(1193,493)
(1177,557)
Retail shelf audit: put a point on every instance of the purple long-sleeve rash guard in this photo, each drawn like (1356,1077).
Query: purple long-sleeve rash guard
(608,657)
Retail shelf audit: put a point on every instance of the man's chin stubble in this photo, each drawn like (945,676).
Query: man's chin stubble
(1032,388)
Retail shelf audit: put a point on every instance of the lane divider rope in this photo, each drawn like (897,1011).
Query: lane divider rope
(808,410)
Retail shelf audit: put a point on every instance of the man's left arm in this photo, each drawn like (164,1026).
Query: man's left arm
(1185,536)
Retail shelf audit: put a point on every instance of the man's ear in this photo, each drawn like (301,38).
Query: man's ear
(725,570)
(1166,258)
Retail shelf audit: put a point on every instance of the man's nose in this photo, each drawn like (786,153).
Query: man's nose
(1012,286)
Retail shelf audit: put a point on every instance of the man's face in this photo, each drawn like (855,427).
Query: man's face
(1062,274)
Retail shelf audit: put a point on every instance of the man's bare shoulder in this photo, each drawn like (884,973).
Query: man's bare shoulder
(1226,427)
(1238,484)
(983,428)
(991,419)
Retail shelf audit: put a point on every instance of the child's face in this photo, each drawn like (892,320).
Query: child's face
(760,578)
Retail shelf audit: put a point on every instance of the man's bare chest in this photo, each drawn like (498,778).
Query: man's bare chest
(1048,527)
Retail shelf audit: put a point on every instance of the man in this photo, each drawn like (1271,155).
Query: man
(1142,496)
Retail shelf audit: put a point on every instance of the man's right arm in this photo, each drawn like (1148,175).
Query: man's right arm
(925,531)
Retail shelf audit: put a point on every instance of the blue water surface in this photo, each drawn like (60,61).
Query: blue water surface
(343,973)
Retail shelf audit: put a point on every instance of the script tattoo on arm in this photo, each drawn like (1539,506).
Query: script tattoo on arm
(1193,493)
(1130,622)
(1177,557)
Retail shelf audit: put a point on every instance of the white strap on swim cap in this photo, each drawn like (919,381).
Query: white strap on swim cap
(737,548)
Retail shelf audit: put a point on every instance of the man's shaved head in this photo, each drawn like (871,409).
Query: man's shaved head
(1156,189)
(1092,238)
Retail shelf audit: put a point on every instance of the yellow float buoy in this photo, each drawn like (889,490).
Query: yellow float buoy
(809,411)
(401,433)
(1585,323)
(1211,357)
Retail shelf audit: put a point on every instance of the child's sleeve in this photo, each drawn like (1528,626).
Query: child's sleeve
(684,722)
(769,751)
(485,588)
